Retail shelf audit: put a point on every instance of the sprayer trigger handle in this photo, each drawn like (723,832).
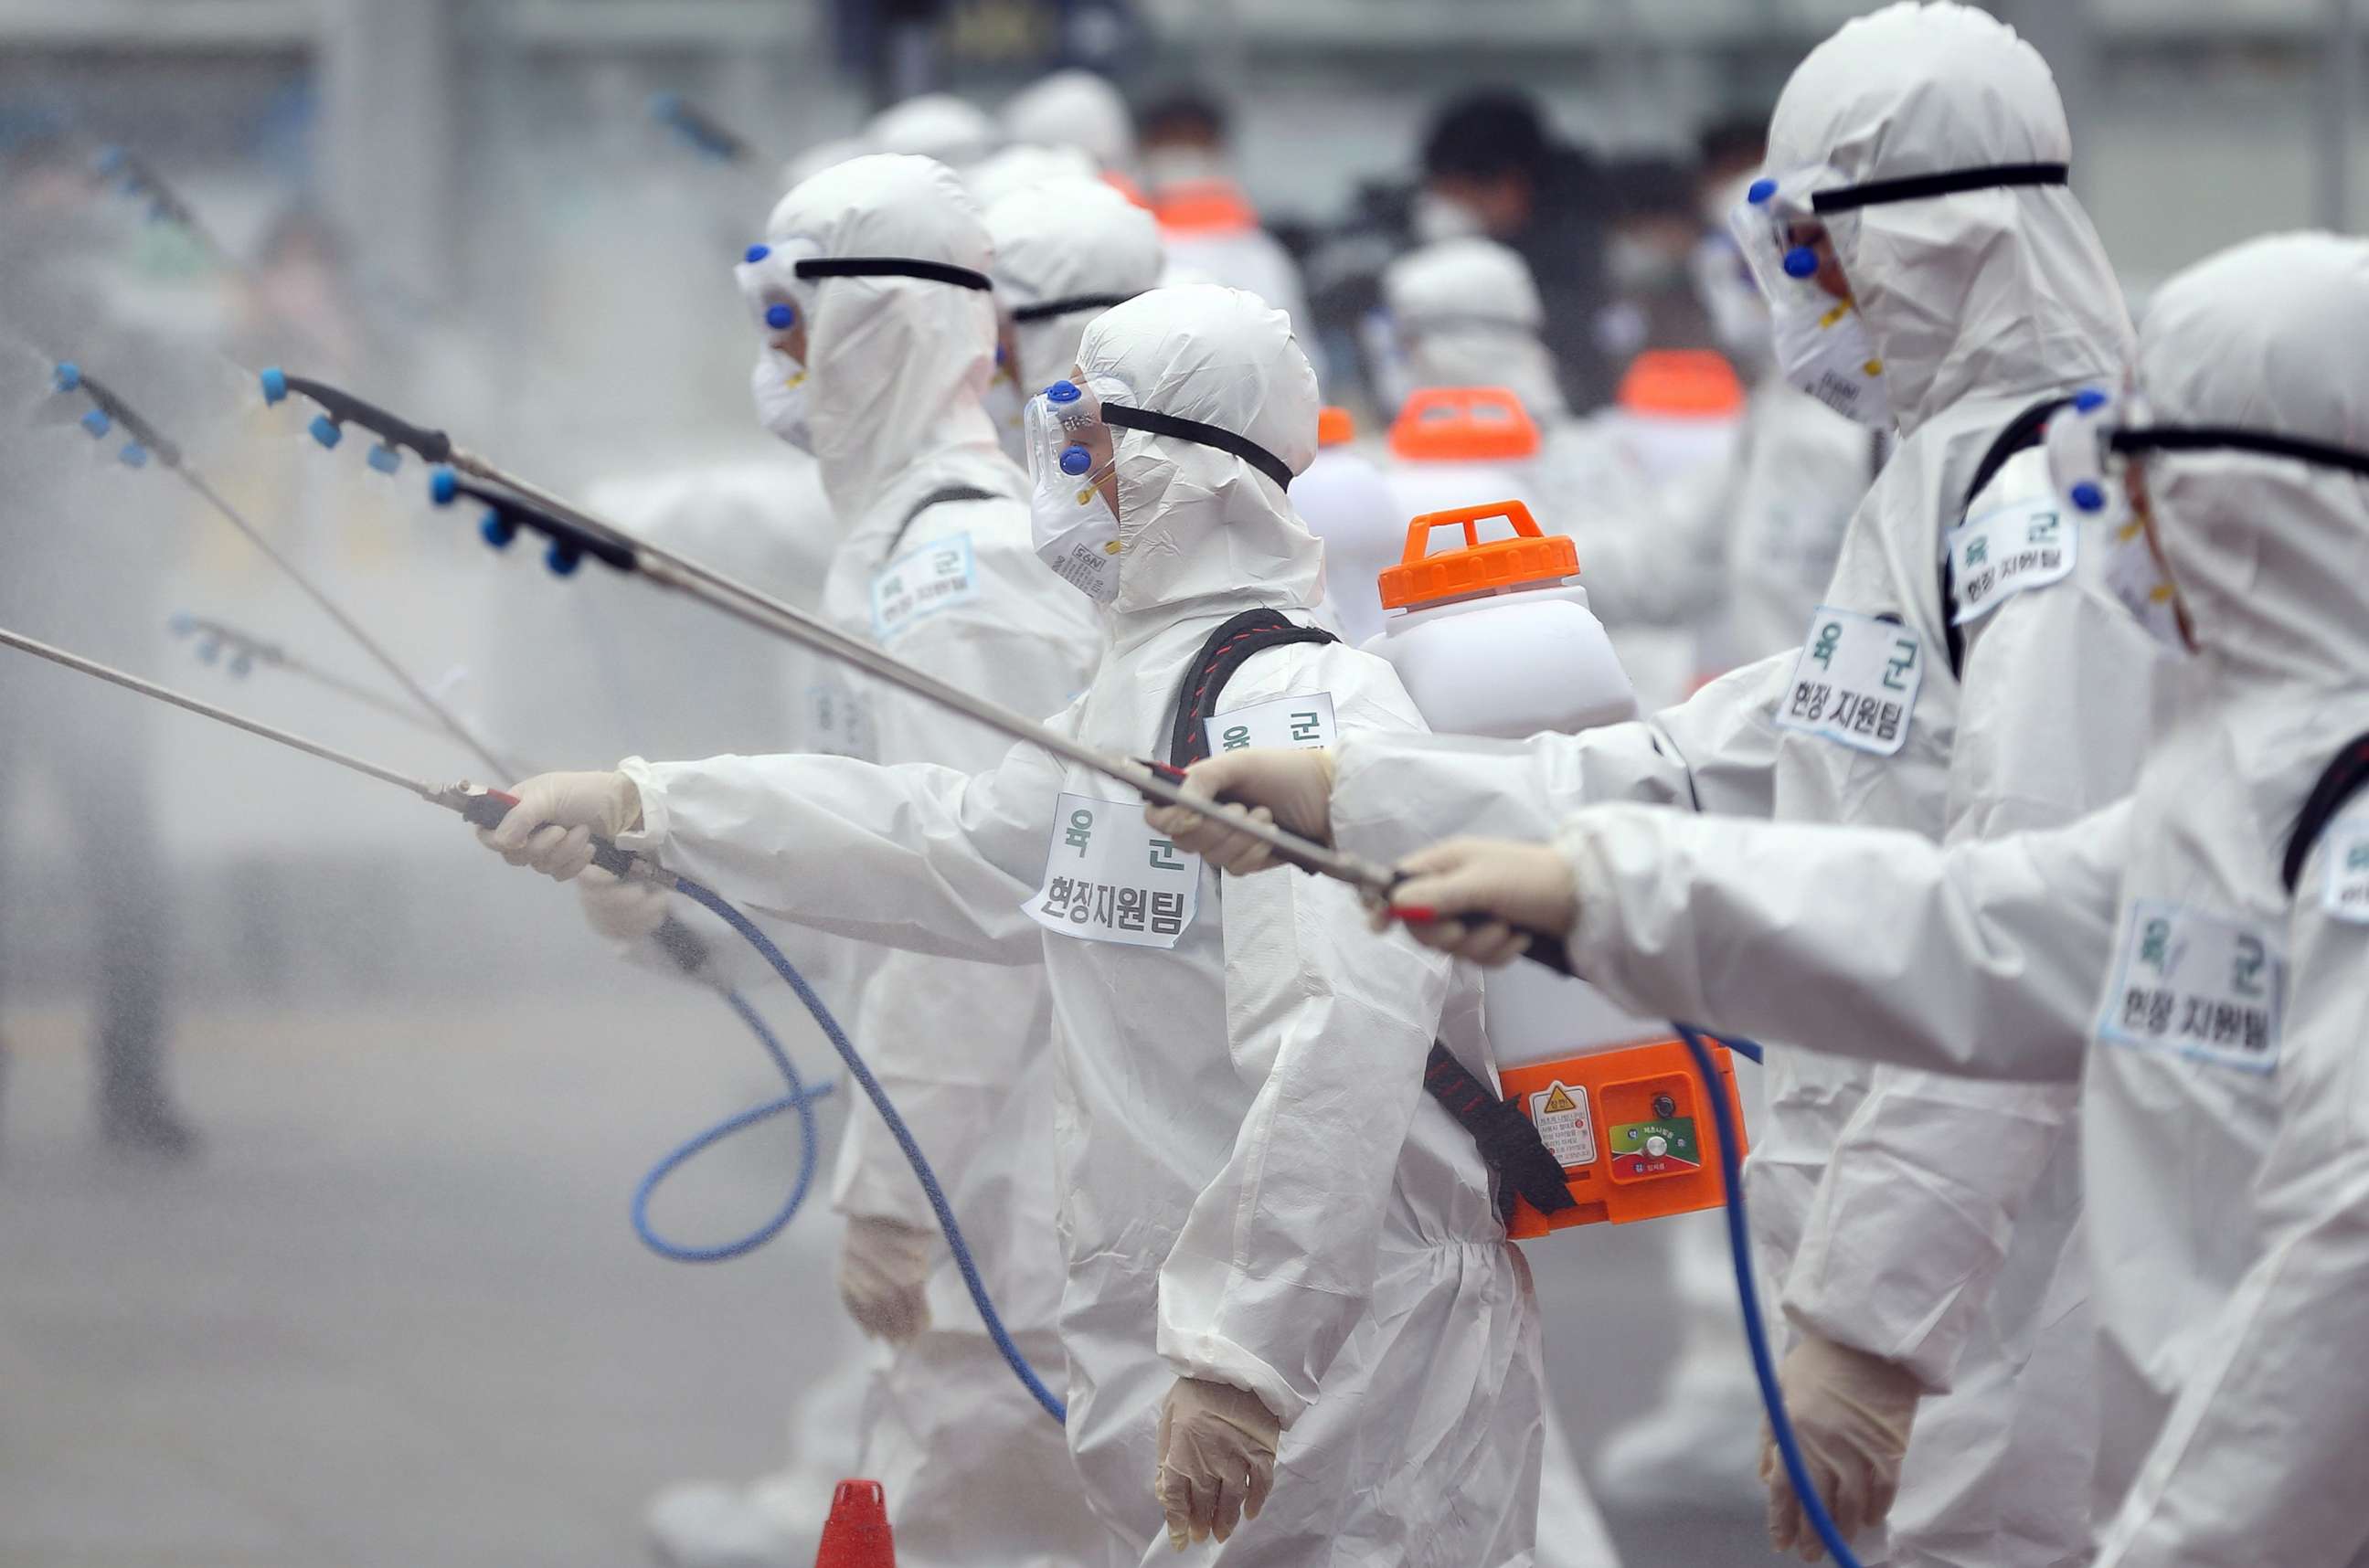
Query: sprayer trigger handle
(1545,948)
(486,808)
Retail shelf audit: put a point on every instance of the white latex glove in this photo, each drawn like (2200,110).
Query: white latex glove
(1500,882)
(1217,1459)
(621,909)
(884,1266)
(1851,1414)
(552,827)
(1293,788)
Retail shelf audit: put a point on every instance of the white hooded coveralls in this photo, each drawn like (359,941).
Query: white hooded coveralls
(1943,1238)
(1255,1189)
(2229,1187)
(901,365)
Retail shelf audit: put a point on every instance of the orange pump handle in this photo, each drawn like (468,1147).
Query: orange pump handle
(1418,539)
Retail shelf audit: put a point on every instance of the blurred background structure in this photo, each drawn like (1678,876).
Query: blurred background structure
(393,1312)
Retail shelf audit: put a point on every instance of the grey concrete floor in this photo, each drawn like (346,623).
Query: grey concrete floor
(395,1316)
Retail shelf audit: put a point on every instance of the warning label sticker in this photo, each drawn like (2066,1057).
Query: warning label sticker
(1559,1112)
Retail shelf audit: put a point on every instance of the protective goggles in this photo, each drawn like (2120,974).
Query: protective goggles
(2098,425)
(1774,206)
(1067,432)
(766,272)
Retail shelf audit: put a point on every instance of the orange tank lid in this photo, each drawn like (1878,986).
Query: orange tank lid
(1204,207)
(1681,383)
(1529,557)
(1463,424)
(1335,426)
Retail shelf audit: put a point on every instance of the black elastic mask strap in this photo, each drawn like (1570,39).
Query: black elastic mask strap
(1918,187)
(1044,309)
(892,267)
(1199,434)
(2231,438)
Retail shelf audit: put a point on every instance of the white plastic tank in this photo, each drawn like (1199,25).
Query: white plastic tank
(1496,638)
(1457,446)
(1344,501)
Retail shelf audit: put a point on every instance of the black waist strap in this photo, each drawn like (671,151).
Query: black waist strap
(1510,1144)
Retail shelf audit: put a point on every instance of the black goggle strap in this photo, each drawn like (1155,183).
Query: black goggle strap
(1199,434)
(1920,187)
(2231,438)
(1044,309)
(892,267)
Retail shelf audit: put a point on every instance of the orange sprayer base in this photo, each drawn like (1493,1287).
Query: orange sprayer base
(1631,1129)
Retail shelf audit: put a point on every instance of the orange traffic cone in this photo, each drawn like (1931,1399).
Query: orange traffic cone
(857,1533)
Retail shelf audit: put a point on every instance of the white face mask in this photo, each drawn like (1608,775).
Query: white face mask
(1434,218)
(2137,578)
(1830,357)
(782,389)
(1073,528)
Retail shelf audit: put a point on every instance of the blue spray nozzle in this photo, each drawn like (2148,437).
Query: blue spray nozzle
(108,159)
(384,458)
(442,483)
(67,376)
(497,530)
(1063,391)
(209,651)
(96,422)
(275,385)
(180,623)
(326,430)
(2089,495)
(1759,191)
(133,456)
(1801,261)
(2088,400)
(756,253)
(241,665)
(781,317)
(562,559)
(1076,460)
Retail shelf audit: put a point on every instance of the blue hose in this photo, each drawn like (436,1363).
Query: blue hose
(1755,1333)
(799,1098)
(897,1129)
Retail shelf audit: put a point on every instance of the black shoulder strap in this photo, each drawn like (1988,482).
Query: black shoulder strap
(2022,434)
(944,493)
(2345,777)
(1510,1146)
(1231,644)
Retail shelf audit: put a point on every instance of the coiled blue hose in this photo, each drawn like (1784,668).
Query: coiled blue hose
(1756,1332)
(913,1156)
(799,1098)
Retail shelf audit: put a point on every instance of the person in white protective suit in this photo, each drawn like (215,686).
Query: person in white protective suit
(1291,1306)
(1074,109)
(1744,549)
(1211,231)
(1065,250)
(1916,166)
(2196,955)
(954,131)
(880,367)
